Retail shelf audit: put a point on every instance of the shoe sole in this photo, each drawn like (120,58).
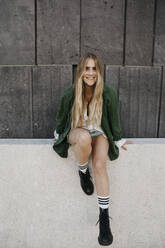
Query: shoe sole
(103,243)
(88,193)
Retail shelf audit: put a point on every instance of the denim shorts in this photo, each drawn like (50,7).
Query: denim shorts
(94,133)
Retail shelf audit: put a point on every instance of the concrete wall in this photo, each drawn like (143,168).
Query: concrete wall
(41,41)
(42,204)
(122,32)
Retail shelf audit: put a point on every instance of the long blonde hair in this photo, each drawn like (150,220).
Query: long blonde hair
(95,105)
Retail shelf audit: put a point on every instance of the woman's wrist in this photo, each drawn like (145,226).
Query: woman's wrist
(120,142)
(56,135)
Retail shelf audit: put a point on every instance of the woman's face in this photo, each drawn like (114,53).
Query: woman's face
(90,74)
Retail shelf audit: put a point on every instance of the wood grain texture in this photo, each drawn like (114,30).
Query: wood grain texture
(139,32)
(139,94)
(102,27)
(112,76)
(159,52)
(58,31)
(17,36)
(162,110)
(15,102)
(48,83)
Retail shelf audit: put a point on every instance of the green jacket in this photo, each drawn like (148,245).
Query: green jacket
(110,122)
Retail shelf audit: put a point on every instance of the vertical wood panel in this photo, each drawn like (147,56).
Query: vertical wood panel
(15,102)
(112,76)
(162,112)
(139,95)
(48,83)
(139,32)
(58,31)
(102,24)
(159,53)
(17,44)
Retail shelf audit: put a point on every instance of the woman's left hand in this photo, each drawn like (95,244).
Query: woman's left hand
(127,142)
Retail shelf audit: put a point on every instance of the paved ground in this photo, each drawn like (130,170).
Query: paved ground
(43,206)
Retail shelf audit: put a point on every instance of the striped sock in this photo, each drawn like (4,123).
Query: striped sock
(103,201)
(83,167)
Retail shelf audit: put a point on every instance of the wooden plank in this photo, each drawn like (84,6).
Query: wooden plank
(162,110)
(48,83)
(17,36)
(139,32)
(139,95)
(15,102)
(112,76)
(74,72)
(102,27)
(58,24)
(159,52)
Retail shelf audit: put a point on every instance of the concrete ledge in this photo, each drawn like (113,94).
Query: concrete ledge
(42,204)
(50,141)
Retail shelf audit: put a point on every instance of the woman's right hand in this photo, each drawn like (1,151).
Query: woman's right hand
(54,139)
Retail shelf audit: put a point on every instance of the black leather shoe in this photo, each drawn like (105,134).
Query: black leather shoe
(105,235)
(86,183)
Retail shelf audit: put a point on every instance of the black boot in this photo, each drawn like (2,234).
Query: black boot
(86,183)
(105,236)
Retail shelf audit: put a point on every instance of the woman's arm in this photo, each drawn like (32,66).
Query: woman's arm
(60,117)
(113,115)
(120,142)
(56,135)
(63,110)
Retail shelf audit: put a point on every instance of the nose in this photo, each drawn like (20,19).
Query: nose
(91,71)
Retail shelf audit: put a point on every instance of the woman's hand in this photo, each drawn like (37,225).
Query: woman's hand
(54,139)
(127,142)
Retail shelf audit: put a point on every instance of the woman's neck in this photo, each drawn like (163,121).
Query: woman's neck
(88,92)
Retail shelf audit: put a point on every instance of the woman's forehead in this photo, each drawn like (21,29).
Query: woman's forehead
(90,63)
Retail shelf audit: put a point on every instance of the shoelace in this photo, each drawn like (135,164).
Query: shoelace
(99,220)
(86,175)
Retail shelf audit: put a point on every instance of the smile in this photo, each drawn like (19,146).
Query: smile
(90,78)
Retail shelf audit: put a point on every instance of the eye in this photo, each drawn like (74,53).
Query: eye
(87,68)
(94,68)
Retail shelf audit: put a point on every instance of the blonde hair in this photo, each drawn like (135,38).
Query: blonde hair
(95,105)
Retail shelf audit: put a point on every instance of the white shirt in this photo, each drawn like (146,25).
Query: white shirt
(91,127)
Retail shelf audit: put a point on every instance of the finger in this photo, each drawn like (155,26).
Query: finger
(129,142)
(124,147)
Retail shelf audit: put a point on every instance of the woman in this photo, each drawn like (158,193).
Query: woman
(88,119)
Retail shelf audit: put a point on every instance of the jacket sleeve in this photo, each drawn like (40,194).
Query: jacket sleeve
(113,115)
(120,142)
(61,115)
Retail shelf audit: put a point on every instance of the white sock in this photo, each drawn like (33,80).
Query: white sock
(103,201)
(83,167)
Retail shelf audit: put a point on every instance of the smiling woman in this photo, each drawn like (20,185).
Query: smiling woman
(88,89)
(88,120)
(90,74)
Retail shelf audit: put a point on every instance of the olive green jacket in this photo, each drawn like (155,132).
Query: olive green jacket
(110,122)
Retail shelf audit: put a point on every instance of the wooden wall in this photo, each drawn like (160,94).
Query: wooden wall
(41,42)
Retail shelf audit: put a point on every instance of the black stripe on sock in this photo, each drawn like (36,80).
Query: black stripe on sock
(103,199)
(102,203)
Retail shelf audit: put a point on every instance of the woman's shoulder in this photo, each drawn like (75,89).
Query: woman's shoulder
(108,90)
(67,92)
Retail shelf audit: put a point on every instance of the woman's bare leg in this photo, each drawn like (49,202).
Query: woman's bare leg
(100,148)
(81,140)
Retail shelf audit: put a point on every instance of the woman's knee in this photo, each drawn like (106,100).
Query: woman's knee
(79,136)
(84,139)
(99,166)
